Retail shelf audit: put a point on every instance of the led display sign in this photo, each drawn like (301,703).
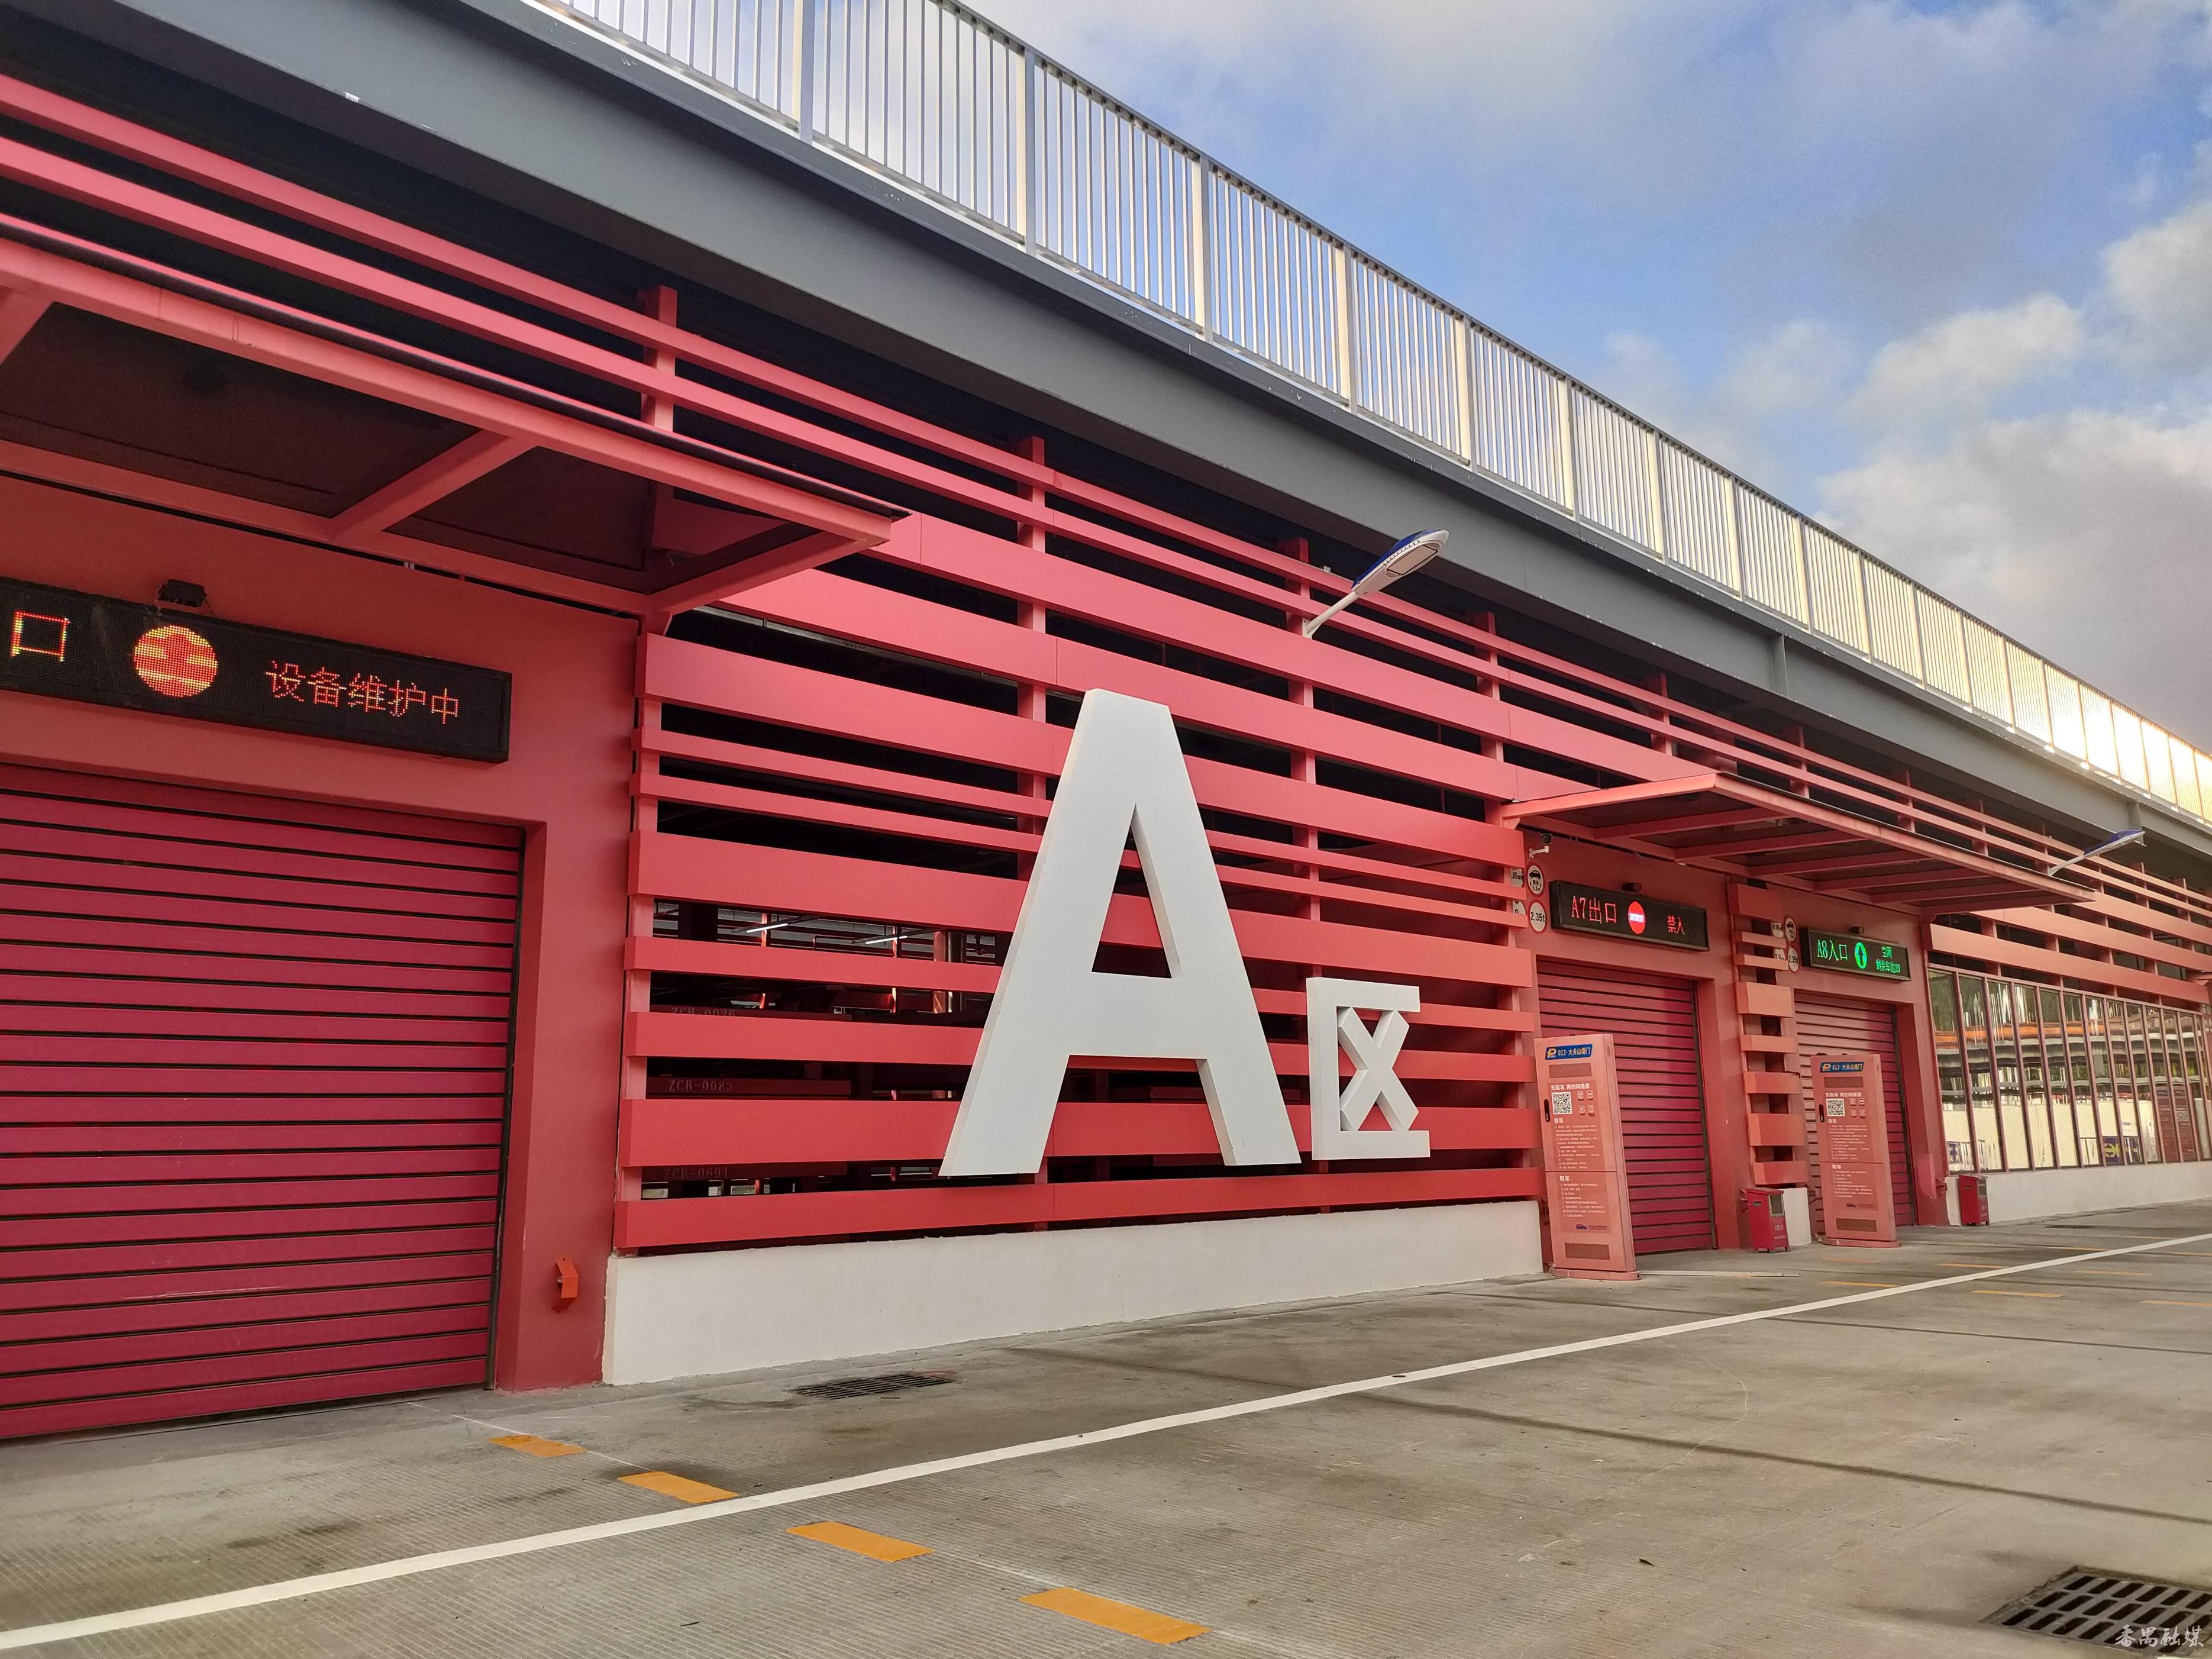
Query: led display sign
(1626,915)
(1847,953)
(134,656)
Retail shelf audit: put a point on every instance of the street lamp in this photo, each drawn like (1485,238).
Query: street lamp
(1403,560)
(2110,844)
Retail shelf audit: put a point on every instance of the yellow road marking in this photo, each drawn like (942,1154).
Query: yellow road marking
(536,1446)
(873,1544)
(2047,1296)
(675,1485)
(1144,1626)
(2153,1302)
(1864,1284)
(2112,1272)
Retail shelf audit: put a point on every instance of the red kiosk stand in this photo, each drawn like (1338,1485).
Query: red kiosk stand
(1587,1234)
(1855,1204)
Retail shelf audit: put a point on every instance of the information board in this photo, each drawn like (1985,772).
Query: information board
(1847,953)
(1852,1127)
(1618,914)
(1588,1232)
(61,644)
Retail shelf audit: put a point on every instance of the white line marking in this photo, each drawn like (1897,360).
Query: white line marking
(291,1589)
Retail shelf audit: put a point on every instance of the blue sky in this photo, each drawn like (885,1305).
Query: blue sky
(1940,273)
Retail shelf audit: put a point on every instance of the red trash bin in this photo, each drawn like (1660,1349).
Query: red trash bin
(1973,1200)
(1765,1225)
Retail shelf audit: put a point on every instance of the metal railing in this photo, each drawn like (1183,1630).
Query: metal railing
(933,96)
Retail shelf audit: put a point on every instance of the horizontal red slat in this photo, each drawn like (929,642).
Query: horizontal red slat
(201,1023)
(245,1282)
(148,1138)
(153,1259)
(36,792)
(140,962)
(183,910)
(100,990)
(40,872)
(50,1387)
(217,1080)
(772,1036)
(681,867)
(175,846)
(82,1048)
(87,1355)
(650,1224)
(115,1411)
(812,700)
(412,960)
(853,968)
(251,1108)
(661,1133)
(220,1209)
(208,1312)
(247,1166)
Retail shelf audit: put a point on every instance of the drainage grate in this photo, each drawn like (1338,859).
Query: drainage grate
(2114,1611)
(852,1387)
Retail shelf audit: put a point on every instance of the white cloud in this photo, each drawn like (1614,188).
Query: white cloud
(2087,534)
(1959,365)
(1796,367)
(2160,283)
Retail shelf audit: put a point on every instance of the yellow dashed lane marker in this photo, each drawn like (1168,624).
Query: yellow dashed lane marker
(1144,1626)
(873,1544)
(2045,1295)
(2152,1302)
(536,1446)
(675,1485)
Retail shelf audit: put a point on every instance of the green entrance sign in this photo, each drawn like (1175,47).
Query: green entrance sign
(1848,953)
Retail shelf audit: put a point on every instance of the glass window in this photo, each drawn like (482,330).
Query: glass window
(2035,1101)
(2004,1053)
(2187,1145)
(2124,1080)
(1951,1072)
(2056,1076)
(1974,1028)
(2146,1089)
(2085,1086)
(2192,1058)
(2161,1084)
(2112,1144)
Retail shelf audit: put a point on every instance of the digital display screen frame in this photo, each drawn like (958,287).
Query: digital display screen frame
(1850,953)
(1618,914)
(165,660)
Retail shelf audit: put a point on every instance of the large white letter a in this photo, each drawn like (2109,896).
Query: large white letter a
(1125,778)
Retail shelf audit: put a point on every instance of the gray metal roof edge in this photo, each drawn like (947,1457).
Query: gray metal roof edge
(318,91)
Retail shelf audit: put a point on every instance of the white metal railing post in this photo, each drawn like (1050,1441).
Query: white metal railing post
(1799,579)
(1562,407)
(1201,245)
(803,48)
(1734,528)
(1463,367)
(1658,494)
(1340,276)
(1028,185)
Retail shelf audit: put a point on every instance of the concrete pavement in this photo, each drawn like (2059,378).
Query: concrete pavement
(1873,1477)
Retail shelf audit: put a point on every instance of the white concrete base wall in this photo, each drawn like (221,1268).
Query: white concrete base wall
(734,1311)
(2024,1194)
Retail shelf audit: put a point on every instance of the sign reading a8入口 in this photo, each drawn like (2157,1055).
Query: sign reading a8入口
(62,644)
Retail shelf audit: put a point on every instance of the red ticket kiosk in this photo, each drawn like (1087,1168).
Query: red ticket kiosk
(1587,1232)
(1856,1207)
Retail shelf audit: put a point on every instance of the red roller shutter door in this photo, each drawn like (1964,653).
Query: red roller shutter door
(253,1080)
(1663,1113)
(1838,1025)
